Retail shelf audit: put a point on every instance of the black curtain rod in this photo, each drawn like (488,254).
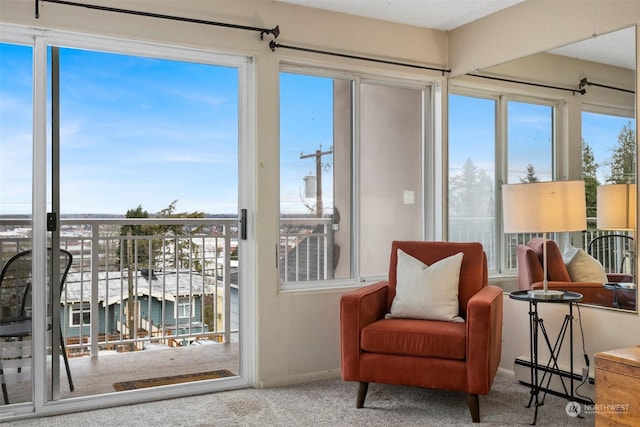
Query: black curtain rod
(584,82)
(275,30)
(501,79)
(273,45)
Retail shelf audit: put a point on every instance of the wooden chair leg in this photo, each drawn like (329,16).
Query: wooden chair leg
(474,407)
(362,394)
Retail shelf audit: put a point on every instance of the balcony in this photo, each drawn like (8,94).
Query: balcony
(147,297)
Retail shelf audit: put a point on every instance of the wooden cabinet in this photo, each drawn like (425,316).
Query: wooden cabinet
(618,387)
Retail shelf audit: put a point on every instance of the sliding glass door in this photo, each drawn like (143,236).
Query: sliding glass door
(16,227)
(141,169)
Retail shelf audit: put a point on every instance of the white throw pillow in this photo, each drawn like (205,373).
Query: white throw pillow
(582,267)
(427,291)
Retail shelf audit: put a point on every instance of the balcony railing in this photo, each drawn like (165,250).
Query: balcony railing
(483,230)
(174,281)
(170,282)
(305,246)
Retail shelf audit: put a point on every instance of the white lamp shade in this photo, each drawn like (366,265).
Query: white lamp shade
(536,207)
(616,207)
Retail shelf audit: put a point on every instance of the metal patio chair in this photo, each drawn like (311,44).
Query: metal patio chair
(15,309)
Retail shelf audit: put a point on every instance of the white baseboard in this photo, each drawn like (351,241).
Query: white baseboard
(299,379)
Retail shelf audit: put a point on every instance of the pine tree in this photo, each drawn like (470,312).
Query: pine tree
(590,177)
(531,175)
(623,159)
(471,193)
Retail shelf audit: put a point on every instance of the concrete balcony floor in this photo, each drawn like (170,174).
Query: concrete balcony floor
(95,376)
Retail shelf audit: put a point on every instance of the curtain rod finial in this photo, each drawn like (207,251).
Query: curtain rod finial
(275,31)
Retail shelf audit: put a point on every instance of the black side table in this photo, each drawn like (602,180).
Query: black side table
(615,286)
(536,324)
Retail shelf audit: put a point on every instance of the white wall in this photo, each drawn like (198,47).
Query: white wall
(297,333)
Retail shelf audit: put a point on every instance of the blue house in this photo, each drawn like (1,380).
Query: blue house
(168,303)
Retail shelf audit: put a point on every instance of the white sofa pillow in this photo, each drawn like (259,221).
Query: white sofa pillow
(427,291)
(582,267)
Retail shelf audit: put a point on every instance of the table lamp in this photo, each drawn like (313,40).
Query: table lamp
(616,210)
(543,207)
(616,207)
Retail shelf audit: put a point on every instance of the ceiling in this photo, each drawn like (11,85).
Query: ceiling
(436,14)
(616,48)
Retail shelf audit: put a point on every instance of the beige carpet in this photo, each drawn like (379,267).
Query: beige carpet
(330,403)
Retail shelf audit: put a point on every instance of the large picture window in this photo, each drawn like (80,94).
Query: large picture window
(480,159)
(608,157)
(347,191)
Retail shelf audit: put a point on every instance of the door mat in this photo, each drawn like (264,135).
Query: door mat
(176,379)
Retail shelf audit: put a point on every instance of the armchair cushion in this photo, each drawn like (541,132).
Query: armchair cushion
(427,291)
(582,267)
(414,337)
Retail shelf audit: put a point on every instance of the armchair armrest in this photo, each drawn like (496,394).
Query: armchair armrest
(358,309)
(620,277)
(592,292)
(484,338)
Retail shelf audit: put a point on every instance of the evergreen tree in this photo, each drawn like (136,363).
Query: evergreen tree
(141,252)
(623,159)
(147,254)
(590,177)
(181,247)
(531,175)
(471,193)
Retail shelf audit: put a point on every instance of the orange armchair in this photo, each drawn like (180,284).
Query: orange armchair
(425,353)
(531,275)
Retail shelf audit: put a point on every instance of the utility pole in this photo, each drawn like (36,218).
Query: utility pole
(318,155)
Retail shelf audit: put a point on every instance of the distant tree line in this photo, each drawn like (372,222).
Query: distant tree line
(471,192)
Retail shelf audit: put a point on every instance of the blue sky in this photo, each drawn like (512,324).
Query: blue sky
(306,127)
(134,131)
(472,135)
(140,131)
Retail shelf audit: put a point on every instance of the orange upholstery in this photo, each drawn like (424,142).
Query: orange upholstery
(425,353)
(531,276)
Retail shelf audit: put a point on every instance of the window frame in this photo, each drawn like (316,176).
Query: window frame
(502,98)
(181,303)
(431,128)
(82,310)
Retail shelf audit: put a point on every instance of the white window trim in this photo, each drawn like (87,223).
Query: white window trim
(181,303)
(428,86)
(81,309)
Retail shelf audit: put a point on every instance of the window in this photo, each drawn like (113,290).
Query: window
(184,308)
(315,135)
(530,142)
(80,315)
(16,124)
(476,167)
(344,199)
(472,171)
(608,154)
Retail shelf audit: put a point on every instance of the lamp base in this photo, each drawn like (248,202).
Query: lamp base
(548,294)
